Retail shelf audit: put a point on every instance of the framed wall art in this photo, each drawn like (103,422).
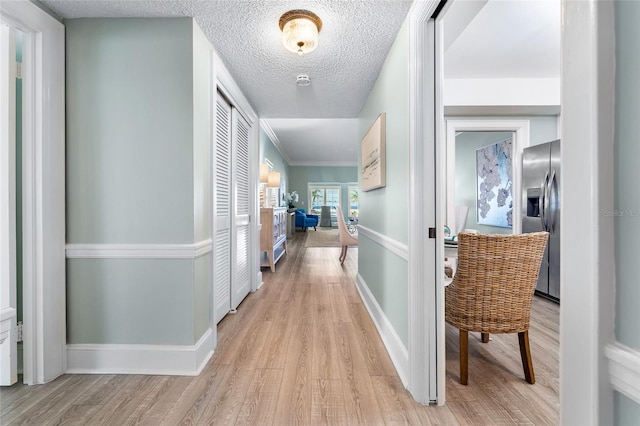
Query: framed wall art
(494,184)
(373,161)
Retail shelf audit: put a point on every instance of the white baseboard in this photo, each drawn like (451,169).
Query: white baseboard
(141,359)
(396,349)
(259,280)
(624,369)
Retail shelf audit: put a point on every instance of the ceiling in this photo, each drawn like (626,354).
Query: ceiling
(317,125)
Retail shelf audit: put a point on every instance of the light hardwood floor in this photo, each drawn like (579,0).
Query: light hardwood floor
(303,350)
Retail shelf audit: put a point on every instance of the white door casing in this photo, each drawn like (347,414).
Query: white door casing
(426,300)
(43,186)
(8,289)
(520,128)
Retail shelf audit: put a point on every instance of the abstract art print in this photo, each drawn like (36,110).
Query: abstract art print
(494,179)
(373,155)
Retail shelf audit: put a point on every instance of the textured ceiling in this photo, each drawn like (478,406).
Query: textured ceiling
(355,39)
(315,124)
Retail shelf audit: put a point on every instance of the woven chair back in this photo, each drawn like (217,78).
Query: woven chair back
(494,282)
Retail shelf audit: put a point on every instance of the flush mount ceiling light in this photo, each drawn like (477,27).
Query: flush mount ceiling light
(300,30)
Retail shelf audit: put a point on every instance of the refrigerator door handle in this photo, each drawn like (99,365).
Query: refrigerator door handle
(553,208)
(542,201)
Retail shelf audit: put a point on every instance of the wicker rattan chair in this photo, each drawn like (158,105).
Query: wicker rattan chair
(492,290)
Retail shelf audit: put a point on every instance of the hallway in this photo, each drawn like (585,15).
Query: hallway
(303,350)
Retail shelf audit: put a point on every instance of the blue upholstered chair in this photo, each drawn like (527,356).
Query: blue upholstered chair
(305,220)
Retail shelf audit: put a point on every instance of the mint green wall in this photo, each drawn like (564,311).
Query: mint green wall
(269,151)
(301,176)
(129,130)
(466,184)
(626,411)
(385,210)
(130,301)
(627,195)
(627,155)
(202,114)
(138,172)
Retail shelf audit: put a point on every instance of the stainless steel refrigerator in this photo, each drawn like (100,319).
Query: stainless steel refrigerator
(541,209)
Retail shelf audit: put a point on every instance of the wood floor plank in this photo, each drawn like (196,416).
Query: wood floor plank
(361,404)
(191,404)
(86,405)
(294,399)
(162,401)
(17,399)
(35,400)
(273,354)
(339,307)
(230,394)
(260,402)
(325,359)
(246,347)
(129,387)
(327,403)
(377,358)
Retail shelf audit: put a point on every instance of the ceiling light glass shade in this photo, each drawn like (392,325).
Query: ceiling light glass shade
(300,30)
(264,173)
(273,180)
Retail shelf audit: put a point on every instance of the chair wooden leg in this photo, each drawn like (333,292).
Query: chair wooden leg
(343,256)
(464,357)
(525,353)
(485,337)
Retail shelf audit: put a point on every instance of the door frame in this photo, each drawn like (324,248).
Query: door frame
(44,274)
(521,140)
(8,258)
(226,85)
(426,342)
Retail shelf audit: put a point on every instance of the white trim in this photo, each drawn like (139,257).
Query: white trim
(423,367)
(396,349)
(587,311)
(266,127)
(141,359)
(521,128)
(324,163)
(139,251)
(394,246)
(495,110)
(228,86)
(624,368)
(44,273)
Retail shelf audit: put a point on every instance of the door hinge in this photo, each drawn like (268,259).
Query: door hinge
(19,331)
(19,70)
(432,232)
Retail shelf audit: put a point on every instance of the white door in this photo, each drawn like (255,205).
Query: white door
(8,303)
(240,282)
(222,211)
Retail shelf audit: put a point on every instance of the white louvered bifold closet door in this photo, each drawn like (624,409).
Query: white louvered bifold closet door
(222,210)
(241,283)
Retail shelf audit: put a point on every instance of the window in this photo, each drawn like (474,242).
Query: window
(323,195)
(354,204)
